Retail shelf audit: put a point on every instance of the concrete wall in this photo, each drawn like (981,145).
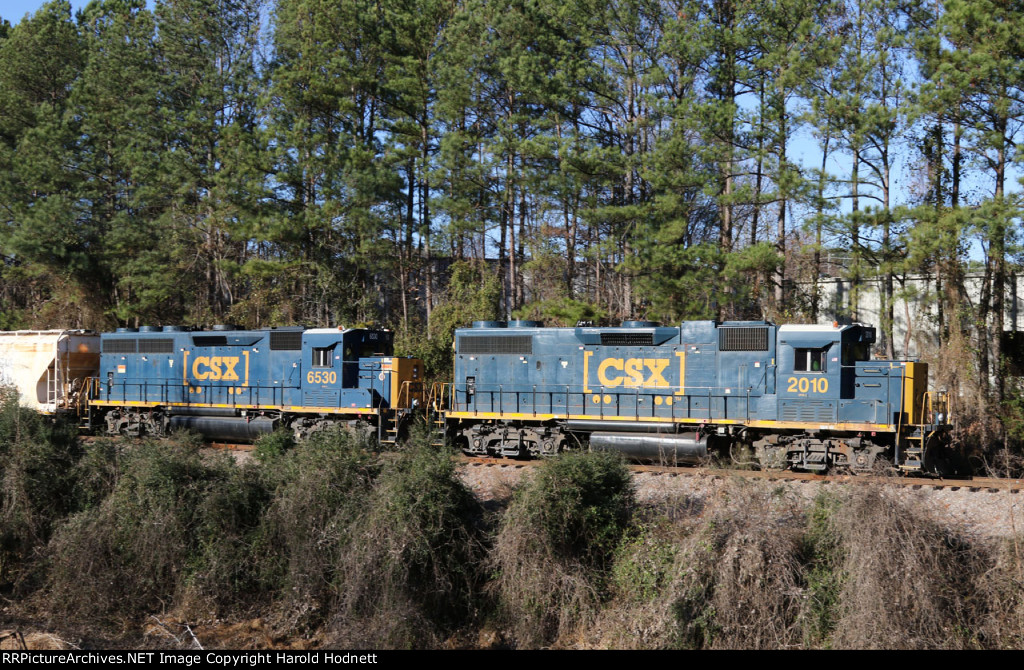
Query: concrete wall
(914,311)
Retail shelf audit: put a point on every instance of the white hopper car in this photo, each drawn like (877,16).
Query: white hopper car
(50,368)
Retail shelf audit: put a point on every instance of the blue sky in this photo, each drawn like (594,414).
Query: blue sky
(15,10)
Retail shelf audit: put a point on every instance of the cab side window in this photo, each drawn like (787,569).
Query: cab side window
(323,357)
(858,351)
(810,360)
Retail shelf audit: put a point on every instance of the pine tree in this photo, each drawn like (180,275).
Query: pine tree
(49,247)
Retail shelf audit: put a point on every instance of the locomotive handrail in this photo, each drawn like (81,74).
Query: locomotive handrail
(122,390)
(928,406)
(495,398)
(899,415)
(405,391)
(437,392)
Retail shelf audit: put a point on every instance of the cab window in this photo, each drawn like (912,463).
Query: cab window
(856,351)
(810,360)
(323,357)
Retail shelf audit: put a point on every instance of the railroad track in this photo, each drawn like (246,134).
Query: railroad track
(977,484)
(974,485)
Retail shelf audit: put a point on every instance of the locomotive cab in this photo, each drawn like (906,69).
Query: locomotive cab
(826,374)
(810,373)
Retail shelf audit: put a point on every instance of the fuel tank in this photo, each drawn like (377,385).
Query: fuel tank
(670,449)
(225,428)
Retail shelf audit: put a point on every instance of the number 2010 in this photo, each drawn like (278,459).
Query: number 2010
(805,384)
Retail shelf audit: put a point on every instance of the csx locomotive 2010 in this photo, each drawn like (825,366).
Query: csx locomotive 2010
(233,384)
(806,397)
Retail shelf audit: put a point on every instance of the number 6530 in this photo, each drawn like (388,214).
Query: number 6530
(321,377)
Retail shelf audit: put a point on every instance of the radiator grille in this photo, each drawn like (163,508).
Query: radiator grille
(743,339)
(156,346)
(286,340)
(491,344)
(627,339)
(119,346)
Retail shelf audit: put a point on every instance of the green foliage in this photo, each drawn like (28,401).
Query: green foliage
(226,570)
(271,447)
(644,564)
(132,551)
(578,505)
(823,559)
(555,545)
(472,295)
(320,487)
(96,473)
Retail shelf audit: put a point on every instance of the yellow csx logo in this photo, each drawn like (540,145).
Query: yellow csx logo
(632,372)
(217,368)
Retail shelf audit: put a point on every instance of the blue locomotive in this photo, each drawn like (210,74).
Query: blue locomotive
(232,384)
(806,397)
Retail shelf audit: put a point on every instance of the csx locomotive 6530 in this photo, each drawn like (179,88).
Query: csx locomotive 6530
(806,397)
(233,384)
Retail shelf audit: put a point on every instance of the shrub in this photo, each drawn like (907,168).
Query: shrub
(37,459)
(740,574)
(823,556)
(272,446)
(226,564)
(128,553)
(319,489)
(174,527)
(1001,591)
(726,577)
(412,568)
(907,579)
(555,543)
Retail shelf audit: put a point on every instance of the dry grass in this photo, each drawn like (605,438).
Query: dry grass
(760,569)
(729,579)
(1001,593)
(906,579)
(333,542)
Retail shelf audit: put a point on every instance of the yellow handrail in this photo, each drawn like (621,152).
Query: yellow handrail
(438,401)
(933,402)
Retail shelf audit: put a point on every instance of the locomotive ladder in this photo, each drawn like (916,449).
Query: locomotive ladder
(436,406)
(390,421)
(913,453)
(934,406)
(387,427)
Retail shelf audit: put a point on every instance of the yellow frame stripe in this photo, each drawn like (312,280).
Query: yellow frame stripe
(660,419)
(285,408)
